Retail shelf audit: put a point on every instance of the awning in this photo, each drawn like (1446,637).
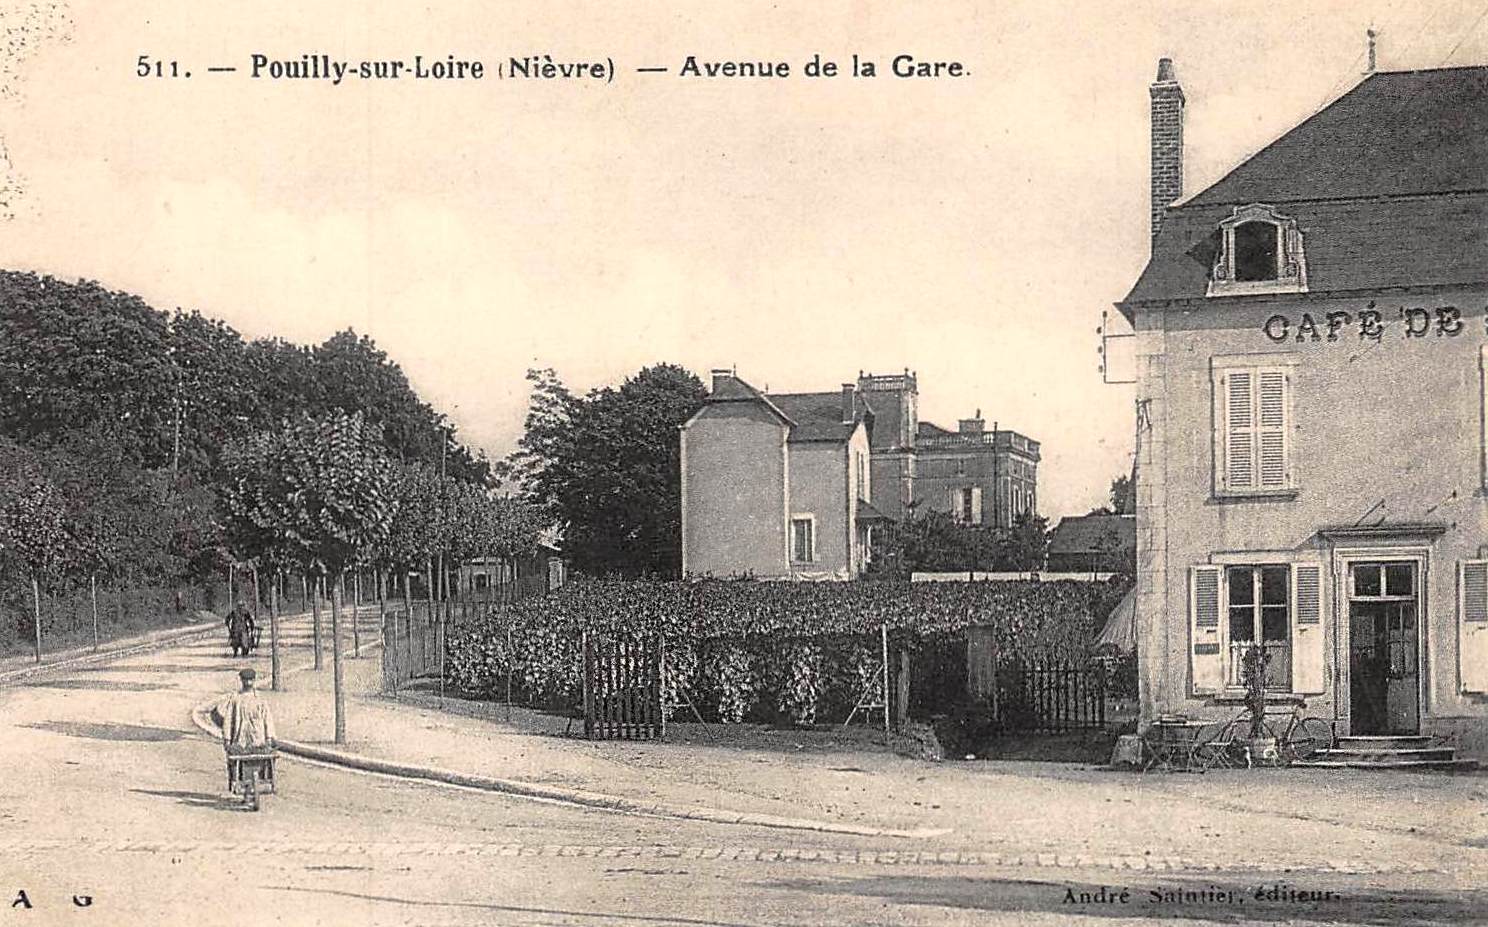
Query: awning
(1121,627)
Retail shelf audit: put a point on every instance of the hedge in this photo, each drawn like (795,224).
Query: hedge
(764,650)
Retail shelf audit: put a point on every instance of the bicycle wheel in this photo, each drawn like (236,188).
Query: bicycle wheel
(1308,737)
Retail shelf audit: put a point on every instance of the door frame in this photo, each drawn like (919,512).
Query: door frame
(1343,559)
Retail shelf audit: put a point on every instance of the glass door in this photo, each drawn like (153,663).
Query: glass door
(1384,686)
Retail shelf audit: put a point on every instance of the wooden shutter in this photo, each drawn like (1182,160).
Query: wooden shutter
(1483,403)
(1472,624)
(1309,674)
(1205,652)
(1273,418)
(976,505)
(1239,430)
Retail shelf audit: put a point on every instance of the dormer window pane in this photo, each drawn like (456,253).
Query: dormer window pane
(1255,251)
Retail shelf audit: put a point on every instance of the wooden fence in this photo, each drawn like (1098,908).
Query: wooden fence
(412,644)
(622,688)
(1049,695)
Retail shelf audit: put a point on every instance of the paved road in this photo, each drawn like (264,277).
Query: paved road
(109,797)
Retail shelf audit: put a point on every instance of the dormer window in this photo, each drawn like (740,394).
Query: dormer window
(1260,251)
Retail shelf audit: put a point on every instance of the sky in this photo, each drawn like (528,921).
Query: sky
(972,229)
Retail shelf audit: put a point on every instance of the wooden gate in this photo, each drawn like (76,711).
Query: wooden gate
(1050,695)
(622,688)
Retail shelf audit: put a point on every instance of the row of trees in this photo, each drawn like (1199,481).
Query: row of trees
(320,496)
(116,422)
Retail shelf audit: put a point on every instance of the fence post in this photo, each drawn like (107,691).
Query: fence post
(588,685)
(93,595)
(884,631)
(276,682)
(36,598)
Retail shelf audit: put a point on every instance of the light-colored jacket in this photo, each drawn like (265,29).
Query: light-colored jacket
(247,725)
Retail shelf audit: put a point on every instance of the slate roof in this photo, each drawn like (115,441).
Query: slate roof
(931,430)
(818,416)
(1396,133)
(1085,534)
(1388,184)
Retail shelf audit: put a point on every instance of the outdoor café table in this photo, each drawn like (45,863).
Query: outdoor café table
(1171,743)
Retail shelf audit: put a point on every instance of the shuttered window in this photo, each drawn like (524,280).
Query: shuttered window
(1253,424)
(1309,670)
(1206,661)
(1472,624)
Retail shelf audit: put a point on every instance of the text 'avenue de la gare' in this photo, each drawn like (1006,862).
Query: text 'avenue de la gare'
(319,66)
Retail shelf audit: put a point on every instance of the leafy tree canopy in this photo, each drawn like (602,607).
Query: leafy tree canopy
(606,467)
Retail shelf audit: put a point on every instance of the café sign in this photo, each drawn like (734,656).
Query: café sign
(1370,323)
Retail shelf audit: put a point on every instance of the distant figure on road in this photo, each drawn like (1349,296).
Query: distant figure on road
(240,630)
(247,726)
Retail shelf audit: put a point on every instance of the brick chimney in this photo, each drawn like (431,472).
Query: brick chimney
(849,402)
(1167,141)
(972,426)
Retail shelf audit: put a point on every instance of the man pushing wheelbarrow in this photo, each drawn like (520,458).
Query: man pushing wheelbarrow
(241,633)
(248,738)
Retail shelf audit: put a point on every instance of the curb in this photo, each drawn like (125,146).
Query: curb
(168,639)
(559,794)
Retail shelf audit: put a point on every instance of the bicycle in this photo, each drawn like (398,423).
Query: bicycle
(1301,739)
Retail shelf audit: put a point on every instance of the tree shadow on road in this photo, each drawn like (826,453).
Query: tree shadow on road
(1222,900)
(152,668)
(196,799)
(98,730)
(101,685)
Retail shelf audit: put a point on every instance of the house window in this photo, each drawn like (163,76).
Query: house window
(803,538)
(1259,615)
(1255,251)
(482,581)
(966,505)
(1252,427)
(1259,251)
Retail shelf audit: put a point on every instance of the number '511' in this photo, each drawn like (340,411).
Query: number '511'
(151,67)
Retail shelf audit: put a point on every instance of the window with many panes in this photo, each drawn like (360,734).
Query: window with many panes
(1259,614)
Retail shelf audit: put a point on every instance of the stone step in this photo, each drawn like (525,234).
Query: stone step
(1409,765)
(1384,742)
(1387,756)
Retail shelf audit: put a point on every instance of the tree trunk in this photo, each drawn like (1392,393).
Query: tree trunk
(389,641)
(36,598)
(408,632)
(315,620)
(336,668)
(231,575)
(277,683)
(356,615)
(255,614)
(93,596)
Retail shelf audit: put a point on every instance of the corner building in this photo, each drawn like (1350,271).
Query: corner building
(1312,356)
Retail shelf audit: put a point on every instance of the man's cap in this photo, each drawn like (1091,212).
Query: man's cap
(247,674)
